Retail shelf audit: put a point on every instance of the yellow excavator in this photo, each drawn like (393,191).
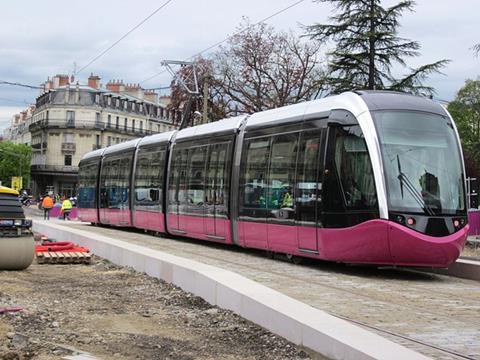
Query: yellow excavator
(17,247)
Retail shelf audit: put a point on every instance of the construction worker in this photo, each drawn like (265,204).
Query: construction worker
(47,205)
(66,208)
(287,201)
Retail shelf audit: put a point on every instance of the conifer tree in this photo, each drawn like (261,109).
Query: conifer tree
(367,47)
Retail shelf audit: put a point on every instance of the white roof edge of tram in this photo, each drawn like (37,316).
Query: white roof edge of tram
(219,126)
(131,144)
(157,138)
(93,154)
(299,111)
(348,101)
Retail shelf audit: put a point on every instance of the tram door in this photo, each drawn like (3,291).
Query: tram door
(216,220)
(308,190)
(177,192)
(281,228)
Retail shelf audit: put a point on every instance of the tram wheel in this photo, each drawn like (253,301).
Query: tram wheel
(294,259)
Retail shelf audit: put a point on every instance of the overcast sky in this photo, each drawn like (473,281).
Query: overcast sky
(44,38)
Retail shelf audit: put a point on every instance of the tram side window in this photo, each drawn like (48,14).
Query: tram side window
(282,171)
(177,194)
(216,181)
(124,180)
(196,175)
(308,190)
(111,184)
(149,179)
(254,173)
(354,169)
(87,185)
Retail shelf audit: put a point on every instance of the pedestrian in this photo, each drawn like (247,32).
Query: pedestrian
(47,205)
(66,208)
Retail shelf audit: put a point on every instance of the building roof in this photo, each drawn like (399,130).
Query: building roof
(104,91)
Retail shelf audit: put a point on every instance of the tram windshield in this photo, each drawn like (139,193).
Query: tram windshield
(422,162)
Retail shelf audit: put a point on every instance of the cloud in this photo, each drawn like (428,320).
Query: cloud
(6,113)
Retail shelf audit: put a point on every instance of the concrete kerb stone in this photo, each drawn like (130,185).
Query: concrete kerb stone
(287,317)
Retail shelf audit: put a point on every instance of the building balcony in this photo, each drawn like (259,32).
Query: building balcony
(68,147)
(53,169)
(93,125)
(39,146)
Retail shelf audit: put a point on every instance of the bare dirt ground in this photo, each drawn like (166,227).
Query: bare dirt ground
(115,313)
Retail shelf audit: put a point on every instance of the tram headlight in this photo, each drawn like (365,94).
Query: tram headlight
(411,221)
(400,219)
(18,223)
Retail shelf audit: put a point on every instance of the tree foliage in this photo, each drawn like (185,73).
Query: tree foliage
(367,47)
(14,160)
(258,69)
(263,69)
(465,109)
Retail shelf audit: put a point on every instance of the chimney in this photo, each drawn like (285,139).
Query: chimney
(151,95)
(94,81)
(62,80)
(115,86)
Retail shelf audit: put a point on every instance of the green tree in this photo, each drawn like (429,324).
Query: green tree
(14,161)
(465,109)
(367,47)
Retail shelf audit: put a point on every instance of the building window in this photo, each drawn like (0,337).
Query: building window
(117,103)
(140,108)
(133,106)
(68,160)
(117,123)
(109,121)
(98,122)
(97,98)
(109,141)
(126,124)
(97,142)
(71,118)
(141,126)
(125,103)
(46,117)
(109,101)
(133,125)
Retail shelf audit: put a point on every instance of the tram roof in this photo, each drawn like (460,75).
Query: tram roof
(156,139)
(220,127)
(93,154)
(356,102)
(127,145)
(392,100)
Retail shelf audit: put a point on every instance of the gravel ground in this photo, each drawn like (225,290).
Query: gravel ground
(471,250)
(115,313)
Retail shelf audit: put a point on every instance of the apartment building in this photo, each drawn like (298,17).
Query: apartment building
(71,119)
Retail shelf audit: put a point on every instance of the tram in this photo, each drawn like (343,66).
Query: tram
(365,177)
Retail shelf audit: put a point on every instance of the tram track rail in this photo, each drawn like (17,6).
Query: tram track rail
(408,338)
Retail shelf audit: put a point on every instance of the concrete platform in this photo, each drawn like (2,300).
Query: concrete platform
(462,268)
(289,318)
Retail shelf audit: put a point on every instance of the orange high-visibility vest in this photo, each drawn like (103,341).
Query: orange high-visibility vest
(47,202)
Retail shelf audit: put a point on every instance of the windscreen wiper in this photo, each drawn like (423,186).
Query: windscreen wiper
(417,196)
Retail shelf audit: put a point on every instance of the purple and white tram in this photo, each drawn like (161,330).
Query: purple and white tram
(361,177)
